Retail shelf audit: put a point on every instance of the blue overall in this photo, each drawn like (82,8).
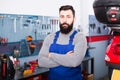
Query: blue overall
(62,72)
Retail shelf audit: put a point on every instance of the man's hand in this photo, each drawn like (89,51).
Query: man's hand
(49,55)
(70,53)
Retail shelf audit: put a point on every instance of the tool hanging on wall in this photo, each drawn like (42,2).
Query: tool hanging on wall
(2,18)
(37,24)
(21,22)
(2,24)
(14,25)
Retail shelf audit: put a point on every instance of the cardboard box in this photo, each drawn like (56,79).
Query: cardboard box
(90,77)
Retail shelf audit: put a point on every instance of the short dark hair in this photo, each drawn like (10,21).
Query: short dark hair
(67,7)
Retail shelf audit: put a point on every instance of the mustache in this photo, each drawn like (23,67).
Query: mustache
(65,24)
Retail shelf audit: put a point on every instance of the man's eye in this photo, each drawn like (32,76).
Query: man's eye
(61,16)
(68,16)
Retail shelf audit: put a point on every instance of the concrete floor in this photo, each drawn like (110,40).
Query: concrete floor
(105,78)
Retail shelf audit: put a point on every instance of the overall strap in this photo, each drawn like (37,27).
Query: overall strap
(72,37)
(56,36)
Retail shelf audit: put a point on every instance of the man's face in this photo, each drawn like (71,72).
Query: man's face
(66,21)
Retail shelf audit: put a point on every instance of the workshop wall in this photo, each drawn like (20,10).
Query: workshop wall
(15,29)
(43,7)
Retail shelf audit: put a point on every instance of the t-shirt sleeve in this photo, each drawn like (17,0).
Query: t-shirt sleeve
(43,59)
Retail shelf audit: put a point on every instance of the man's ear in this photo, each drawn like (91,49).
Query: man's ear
(74,19)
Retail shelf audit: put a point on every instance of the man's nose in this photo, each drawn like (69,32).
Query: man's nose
(65,20)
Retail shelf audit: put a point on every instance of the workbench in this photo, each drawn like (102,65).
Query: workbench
(40,71)
(36,75)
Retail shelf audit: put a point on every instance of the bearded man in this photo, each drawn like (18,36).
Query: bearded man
(64,50)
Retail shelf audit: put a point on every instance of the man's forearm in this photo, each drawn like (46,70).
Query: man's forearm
(46,62)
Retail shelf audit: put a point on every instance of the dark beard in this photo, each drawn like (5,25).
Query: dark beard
(66,30)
